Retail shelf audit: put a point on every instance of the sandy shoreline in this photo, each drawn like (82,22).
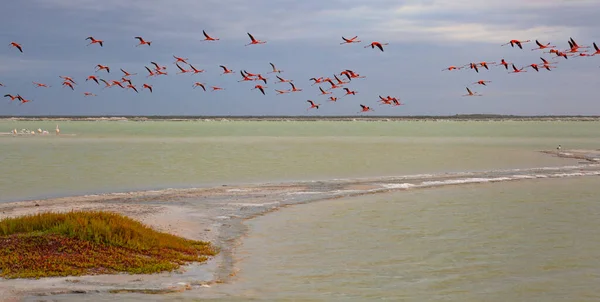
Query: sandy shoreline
(217,215)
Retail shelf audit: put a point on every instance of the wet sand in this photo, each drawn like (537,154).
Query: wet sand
(217,215)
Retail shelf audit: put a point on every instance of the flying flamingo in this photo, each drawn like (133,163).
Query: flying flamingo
(132,87)
(127,74)
(470,93)
(294,89)
(534,66)
(182,70)
(281,91)
(67,83)
(574,45)
(453,68)
(349,92)
(151,73)
(178,59)
(142,41)
(215,88)
(101,67)
(351,74)
(198,84)
(596,48)
(106,84)
(260,87)
(316,80)
(385,101)
(158,67)
(93,78)
(67,79)
(323,92)
(516,42)
(282,80)
(86,94)
(396,102)
(340,82)
(503,63)
(12,97)
(194,70)
(94,41)
(160,72)
(376,44)
(350,41)
(126,80)
(485,64)
(254,41)
(332,99)
(365,108)
(333,86)
(515,70)
(149,87)
(225,70)
(208,38)
(40,85)
(2,85)
(117,83)
(313,105)
(275,70)
(482,82)
(16,45)
(259,77)
(245,77)
(23,100)
(542,46)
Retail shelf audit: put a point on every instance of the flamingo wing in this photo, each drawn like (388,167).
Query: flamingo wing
(251,37)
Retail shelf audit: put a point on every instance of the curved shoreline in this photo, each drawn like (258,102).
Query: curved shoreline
(217,214)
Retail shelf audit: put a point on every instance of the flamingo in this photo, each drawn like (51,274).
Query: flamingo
(245,78)
(332,99)
(17,46)
(574,45)
(281,91)
(2,85)
(198,84)
(282,80)
(474,66)
(485,64)
(160,72)
(365,108)
(40,85)
(376,44)
(312,105)
(275,70)
(215,88)
(503,63)
(317,80)
(23,101)
(158,67)
(67,83)
(225,70)
(178,59)
(194,70)
(67,79)
(515,70)
(385,101)
(482,82)
(182,70)
(127,74)
(396,102)
(149,87)
(294,89)
(353,75)
(117,83)
(596,48)
(534,66)
(125,80)
(323,92)
(261,88)
(142,41)
(516,42)
(208,38)
(254,41)
(12,97)
(340,82)
(106,84)
(132,87)
(333,86)
(101,67)
(94,41)
(453,68)
(542,46)
(151,73)
(350,41)
(349,92)
(259,77)
(86,94)
(470,93)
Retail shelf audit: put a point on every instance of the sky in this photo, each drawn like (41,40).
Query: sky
(303,39)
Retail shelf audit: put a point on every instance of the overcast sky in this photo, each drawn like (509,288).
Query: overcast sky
(303,39)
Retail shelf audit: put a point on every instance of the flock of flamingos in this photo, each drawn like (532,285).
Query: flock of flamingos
(339,81)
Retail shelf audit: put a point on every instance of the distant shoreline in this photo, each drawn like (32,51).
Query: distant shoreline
(461,117)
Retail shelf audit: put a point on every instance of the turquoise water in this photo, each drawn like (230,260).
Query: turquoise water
(109,156)
(530,240)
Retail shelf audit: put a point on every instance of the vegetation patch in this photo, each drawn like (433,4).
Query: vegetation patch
(88,243)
